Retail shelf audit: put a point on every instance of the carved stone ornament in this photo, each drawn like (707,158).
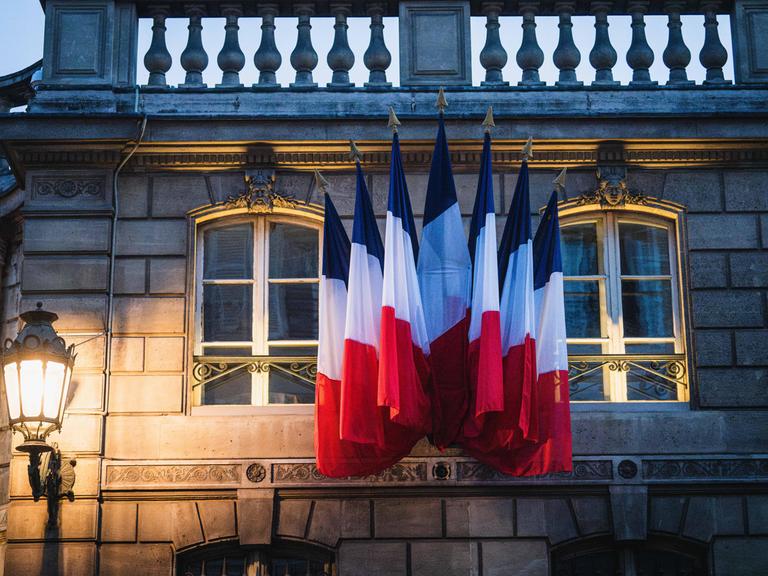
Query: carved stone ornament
(256,473)
(612,190)
(260,195)
(174,474)
(583,470)
(93,187)
(308,473)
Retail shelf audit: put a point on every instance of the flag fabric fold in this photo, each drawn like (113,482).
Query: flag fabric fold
(403,379)
(518,344)
(485,363)
(444,274)
(336,457)
(552,452)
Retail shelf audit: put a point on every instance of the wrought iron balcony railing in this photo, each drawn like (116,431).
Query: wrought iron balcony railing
(649,376)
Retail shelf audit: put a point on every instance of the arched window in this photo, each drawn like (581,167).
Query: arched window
(279,559)
(256,313)
(623,298)
(603,557)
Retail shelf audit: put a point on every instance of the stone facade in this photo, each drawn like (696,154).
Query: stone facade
(105,236)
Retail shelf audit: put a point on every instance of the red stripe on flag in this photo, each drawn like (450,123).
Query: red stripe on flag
(450,393)
(360,414)
(335,457)
(403,375)
(486,380)
(552,453)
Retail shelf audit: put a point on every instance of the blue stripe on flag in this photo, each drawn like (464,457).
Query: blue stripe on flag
(517,230)
(546,246)
(441,190)
(364,228)
(336,246)
(484,198)
(399,202)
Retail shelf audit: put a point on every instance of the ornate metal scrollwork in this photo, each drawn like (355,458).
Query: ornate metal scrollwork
(657,375)
(207,369)
(612,190)
(260,195)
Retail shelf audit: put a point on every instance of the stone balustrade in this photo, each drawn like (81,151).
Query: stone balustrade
(493,57)
(434,44)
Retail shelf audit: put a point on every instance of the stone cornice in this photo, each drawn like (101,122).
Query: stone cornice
(417,154)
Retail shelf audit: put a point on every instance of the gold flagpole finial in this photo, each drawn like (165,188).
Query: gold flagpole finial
(354,151)
(442,103)
(320,182)
(528,149)
(488,122)
(393,121)
(559,182)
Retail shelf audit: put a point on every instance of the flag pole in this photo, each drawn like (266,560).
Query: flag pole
(393,122)
(441,103)
(488,122)
(528,149)
(354,152)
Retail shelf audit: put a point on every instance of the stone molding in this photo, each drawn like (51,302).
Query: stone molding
(446,471)
(465,155)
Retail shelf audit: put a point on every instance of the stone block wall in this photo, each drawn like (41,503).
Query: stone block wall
(144,416)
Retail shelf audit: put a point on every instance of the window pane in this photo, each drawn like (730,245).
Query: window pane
(227,313)
(289,389)
(292,251)
(293,350)
(234,388)
(582,309)
(193,569)
(647,308)
(654,348)
(226,351)
(228,253)
(214,567)
(579,245)
(235,566)
(644,250)
(293,311)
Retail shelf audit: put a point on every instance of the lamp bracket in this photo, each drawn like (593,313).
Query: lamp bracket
(52,478)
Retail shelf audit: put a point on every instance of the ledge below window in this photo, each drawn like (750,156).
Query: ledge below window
(634,406)
(248,410)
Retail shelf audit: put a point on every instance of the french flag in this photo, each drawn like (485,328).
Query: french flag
(361,416)
(445,276)
(552,452)
(403,369)
(518,344)
(335,457)
(485,364)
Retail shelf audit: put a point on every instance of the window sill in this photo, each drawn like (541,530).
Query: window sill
(247,410)
(625,407)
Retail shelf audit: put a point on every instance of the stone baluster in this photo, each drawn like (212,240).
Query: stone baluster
(676,54)
(713,55)
(566,56)
(340,57)
(304,57)
(231,58)
(640,54)
(530,56)
(158,60)
(194,59)
(493,57)
(603,56)
(267,58)
(377,58)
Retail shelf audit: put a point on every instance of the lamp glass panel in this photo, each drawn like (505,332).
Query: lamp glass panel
(11,373)
(54,387)
(31,387)
(65,393)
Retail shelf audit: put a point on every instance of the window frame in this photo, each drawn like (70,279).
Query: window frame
(649,212)
(309,216)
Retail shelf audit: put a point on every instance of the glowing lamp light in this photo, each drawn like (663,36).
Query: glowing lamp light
(36,371)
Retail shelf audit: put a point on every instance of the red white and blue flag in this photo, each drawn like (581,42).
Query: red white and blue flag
(552,451)
(403,368)
(518,344)
(445,276)
(335,457)
(485,364)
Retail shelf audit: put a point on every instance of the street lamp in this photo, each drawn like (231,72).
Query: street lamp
(36,371)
